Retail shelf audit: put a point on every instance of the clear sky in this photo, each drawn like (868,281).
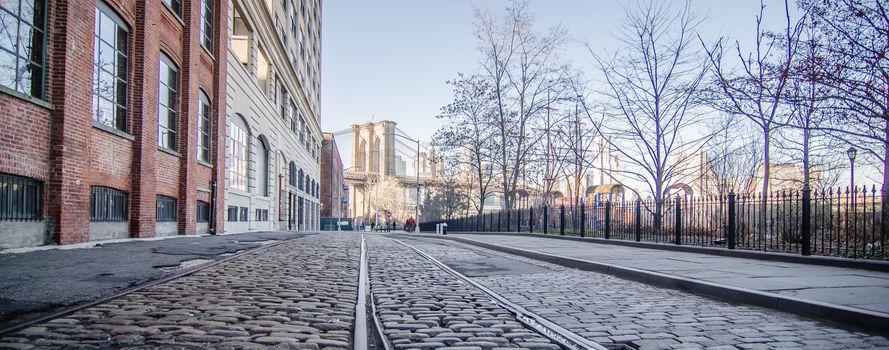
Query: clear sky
(390,59)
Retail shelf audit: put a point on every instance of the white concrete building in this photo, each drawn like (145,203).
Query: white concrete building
(273,136)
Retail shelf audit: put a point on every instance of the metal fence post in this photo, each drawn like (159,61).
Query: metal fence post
(562,220)
(582,219)
(608,220)
(508,228)
(677,226)
(545,219)
(806,224)
(498,221)
(638,220)
(731,221)
(531,219)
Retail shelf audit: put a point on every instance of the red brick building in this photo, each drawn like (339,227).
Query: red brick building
(333,187)
(109,119)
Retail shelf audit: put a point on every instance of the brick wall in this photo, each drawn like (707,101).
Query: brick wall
(54,140)
(331,178)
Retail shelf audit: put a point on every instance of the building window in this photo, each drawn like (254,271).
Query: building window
(294,122)
(262,164)
(110,69)
(203,212)
(175,6)
(244,213)
(166,209)
(203,127)
(206,25)
(22,34)
(240,36)
(237,154)
(232,214)
(107,204)
(262,215)
(302,130)
(285,104)
(167,103)
(301,179)
(21,198)
(293,181)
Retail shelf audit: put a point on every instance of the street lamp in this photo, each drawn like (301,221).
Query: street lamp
(852,152)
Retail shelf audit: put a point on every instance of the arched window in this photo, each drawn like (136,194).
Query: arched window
(237,153)
(292,173)
(262,166)
(301,177)
(203,127)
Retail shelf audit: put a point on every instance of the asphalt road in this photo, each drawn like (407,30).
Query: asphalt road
(44,280)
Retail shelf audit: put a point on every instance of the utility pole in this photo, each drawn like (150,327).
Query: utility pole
(547,177)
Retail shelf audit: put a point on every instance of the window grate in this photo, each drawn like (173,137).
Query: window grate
(21,198)
(166,209)
(107,204)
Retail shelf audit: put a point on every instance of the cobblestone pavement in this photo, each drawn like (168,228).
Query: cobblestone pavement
(297,295)
(607,309)
(424,307)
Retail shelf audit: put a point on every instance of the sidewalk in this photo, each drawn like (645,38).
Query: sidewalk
(860,290)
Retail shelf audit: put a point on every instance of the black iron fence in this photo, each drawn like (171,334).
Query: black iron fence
(834,222)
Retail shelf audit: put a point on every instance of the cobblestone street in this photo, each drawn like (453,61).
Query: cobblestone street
(302,294)
(298,295)
(423,307)
(607,309)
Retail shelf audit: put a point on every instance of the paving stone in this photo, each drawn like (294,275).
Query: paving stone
(415,297)
(601,308)
(303,290)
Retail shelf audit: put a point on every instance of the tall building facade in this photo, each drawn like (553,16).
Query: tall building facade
(334,192)
(109,119)
(272,132)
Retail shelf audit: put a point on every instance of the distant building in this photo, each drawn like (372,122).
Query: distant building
(379,156)
(334,192)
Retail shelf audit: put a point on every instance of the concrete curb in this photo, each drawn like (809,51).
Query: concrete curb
(862,264)
(843,315)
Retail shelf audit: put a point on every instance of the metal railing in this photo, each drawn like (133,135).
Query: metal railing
(833,222)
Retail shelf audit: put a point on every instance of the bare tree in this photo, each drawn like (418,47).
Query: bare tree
(517,61)
(469,134)
(732,157)
(757,90)
(651,86)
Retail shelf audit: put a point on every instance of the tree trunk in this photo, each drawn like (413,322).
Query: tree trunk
(884,227)
(766,174)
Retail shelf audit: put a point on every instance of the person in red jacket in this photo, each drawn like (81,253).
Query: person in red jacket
(410,224)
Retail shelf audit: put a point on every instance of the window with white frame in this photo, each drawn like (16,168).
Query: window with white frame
(203,127)
(167,103)
(237,153)
(206,24)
